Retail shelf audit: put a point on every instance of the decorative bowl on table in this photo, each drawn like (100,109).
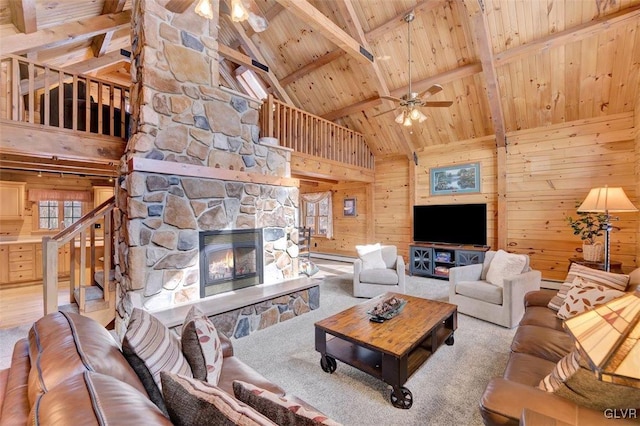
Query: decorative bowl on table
(388,308)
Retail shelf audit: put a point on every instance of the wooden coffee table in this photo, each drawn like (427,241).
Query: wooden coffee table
(392,350)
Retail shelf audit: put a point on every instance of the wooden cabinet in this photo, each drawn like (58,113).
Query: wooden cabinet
(64,260)
(4,264)
(434,260)
(101,194)
(21,262)
(12,196)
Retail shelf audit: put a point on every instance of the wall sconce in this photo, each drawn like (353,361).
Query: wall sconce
(204,8)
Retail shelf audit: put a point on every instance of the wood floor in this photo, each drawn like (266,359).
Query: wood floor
(24,304)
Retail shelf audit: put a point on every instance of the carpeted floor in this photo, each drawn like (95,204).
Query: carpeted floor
(446,389)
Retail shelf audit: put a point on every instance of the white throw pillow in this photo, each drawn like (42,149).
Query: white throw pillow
(505,265)
(371,256)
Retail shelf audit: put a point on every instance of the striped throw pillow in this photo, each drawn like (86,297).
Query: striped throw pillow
(607,279)
(194,402)
(155,345)
(564,369)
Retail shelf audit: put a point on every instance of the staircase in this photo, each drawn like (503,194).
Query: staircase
(94,297)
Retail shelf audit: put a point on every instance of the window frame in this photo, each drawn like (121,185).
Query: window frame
(315,206)
(61,214)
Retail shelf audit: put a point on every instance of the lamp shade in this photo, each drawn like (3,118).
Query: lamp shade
(606,200)
(609,337)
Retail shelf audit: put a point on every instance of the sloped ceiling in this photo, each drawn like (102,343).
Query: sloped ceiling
(507,65)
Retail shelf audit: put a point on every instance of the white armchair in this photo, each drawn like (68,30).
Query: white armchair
(387,276)
(488,300)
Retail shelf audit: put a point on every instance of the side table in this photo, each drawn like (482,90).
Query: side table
(614,266)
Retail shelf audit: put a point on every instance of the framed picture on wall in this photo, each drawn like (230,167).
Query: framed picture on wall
(349,207)
(458,179)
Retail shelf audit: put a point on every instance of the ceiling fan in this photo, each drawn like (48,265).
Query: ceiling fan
(241,10)
(412,100)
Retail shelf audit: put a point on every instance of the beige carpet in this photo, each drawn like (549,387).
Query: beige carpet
(446,389)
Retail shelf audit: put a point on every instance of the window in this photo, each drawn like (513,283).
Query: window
(316,214)
(251,83)
(58,214)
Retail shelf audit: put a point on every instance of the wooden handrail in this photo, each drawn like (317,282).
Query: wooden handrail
(30,88)
(309,134)
(82,232)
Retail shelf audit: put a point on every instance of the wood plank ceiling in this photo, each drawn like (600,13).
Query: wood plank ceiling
(506,64)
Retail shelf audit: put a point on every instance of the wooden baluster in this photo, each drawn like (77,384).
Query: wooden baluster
(47,96)
(60,99)
(30,95)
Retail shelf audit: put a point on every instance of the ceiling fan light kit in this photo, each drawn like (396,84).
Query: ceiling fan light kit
(238,11)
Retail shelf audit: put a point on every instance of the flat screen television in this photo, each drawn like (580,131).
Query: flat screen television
(450,224)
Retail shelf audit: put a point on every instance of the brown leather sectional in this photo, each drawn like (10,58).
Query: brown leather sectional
(70,370)
(539,343)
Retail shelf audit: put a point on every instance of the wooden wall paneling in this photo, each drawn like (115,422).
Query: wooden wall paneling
(637,170)
(548,174)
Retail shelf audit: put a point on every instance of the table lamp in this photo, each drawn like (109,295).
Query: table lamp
(607,200)
(609,338)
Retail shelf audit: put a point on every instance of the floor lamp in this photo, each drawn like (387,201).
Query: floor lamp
(607,200)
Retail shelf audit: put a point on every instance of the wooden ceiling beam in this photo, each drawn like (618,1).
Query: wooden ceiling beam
(23,15)
(63,34)
(398,20)
(241,59)
(100,43)
(250,47)
(580,32)
(318,63)
(98,64)
(395,22)
(325,26)
(346,9)
(485,51)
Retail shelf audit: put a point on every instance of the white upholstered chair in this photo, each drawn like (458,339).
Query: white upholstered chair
(494,295)
(375,274)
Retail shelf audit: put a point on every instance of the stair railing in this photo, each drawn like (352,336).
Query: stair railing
(82,235)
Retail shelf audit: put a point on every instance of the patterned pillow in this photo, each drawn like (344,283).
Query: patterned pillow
(201,346)
(585,295)
(564,369)
(607,279)
(279,409)
(194,402)
(155,345)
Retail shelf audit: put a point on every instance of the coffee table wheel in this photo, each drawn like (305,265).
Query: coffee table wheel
(449,340)
(328,364)
(405,401)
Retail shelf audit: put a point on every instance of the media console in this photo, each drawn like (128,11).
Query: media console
(434,260)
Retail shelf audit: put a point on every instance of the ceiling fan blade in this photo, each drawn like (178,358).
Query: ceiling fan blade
(178,6)
(391,98)
(436,88)
(257,21)
(437,104)
(384,112)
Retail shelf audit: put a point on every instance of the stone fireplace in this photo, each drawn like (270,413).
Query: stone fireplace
(230,260)
(195,167)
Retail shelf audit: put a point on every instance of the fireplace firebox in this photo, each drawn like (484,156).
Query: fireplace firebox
(230,260)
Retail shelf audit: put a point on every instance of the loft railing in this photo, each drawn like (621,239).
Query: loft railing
(309,134)
(31,93)
(82,235)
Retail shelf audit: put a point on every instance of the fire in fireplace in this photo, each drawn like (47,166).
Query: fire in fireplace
(230,260)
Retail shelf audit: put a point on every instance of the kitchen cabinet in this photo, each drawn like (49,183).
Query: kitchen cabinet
(12,196)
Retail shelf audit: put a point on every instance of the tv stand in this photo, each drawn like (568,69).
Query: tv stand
(435,260)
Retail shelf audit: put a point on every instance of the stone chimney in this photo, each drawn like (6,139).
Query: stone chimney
(193,163)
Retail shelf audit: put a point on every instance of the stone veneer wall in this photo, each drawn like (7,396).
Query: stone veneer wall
(242,322)
(180,115)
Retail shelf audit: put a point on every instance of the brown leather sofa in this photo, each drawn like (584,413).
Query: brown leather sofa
(539,343)
(70,370)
